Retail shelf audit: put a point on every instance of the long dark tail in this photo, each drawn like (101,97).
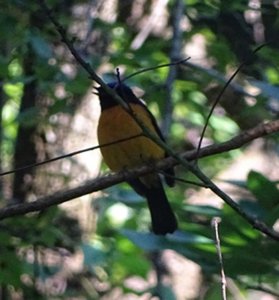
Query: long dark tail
(162,216)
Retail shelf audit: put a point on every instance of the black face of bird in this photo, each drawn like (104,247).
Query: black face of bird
(121,89)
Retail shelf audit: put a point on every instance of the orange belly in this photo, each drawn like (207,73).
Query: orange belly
(116,124)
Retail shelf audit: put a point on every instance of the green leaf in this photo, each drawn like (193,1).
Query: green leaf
(40,46)
(263,189)
(187,244)
(205,210)
(235,229)
(152,242)
(133,264)
(164,292)
(247,261)
(93,256)
(146,241)
(189,238)
(11,267)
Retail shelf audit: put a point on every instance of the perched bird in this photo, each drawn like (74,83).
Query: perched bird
(117,124)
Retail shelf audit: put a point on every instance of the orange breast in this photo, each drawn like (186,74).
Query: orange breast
(116,124)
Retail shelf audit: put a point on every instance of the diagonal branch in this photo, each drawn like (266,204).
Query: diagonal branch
(106,181)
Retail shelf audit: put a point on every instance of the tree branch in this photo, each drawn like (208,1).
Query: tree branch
(106,181)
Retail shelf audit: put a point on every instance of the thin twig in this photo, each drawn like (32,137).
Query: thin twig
(179,179)
(215,224)
(174,63)
(68,155)
(217,100)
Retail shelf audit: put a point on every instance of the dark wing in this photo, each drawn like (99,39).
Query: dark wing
(128,94)
(169,177)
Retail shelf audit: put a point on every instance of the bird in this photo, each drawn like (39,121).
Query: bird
(125,147)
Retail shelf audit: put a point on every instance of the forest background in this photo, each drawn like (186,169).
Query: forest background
(98,245)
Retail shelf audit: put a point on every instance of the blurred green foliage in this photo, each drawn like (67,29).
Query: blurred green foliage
(123,247)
